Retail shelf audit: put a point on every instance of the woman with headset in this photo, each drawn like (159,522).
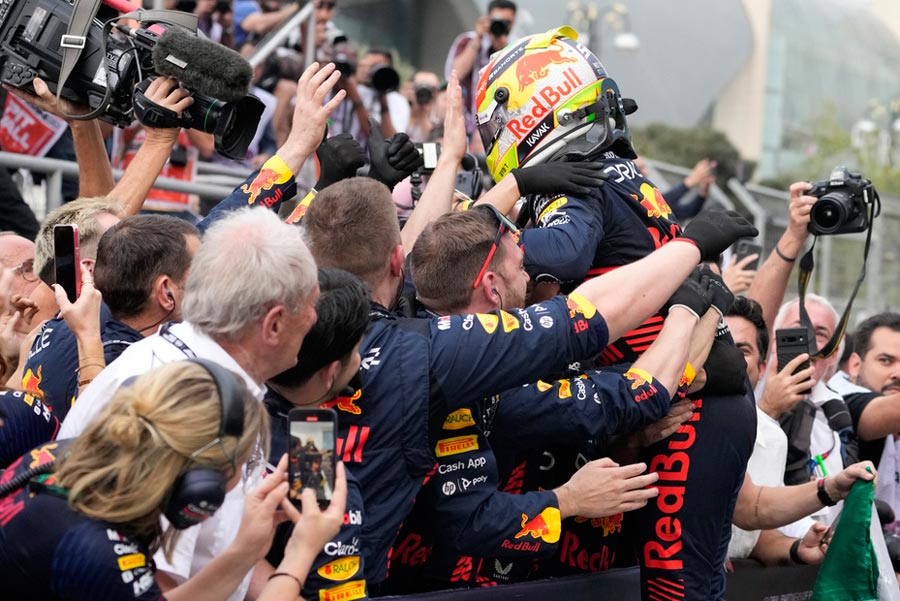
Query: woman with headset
(80,519)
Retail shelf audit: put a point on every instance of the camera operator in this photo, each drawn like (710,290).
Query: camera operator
(425,113)
(371,91)
(251,21)
(471,51)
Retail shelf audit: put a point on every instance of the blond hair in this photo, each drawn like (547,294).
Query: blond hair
(83,212)
(122,468)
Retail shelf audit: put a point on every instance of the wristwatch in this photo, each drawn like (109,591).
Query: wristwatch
(823,494)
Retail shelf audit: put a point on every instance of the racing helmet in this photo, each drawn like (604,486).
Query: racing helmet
(547,96)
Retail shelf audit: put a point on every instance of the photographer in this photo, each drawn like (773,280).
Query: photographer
(371,91)
(425,114)
(471,51)
(85,524)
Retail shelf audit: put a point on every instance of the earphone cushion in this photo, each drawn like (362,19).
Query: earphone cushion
(195,496)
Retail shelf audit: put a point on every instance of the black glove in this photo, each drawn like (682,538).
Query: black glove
(693,294)
(714,230)
(393,160)
(726,369)
(559,178)
(722,297)
(339,158)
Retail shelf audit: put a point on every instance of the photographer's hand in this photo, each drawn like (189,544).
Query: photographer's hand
(90,148)
(310,114)
(166,93)
(770,284)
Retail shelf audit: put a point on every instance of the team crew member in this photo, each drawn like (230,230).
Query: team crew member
(471,516)
(446,364)
(548,98)
(141,267)
(82,517)
(327,362)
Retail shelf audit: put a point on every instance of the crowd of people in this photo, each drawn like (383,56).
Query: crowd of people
(544,376)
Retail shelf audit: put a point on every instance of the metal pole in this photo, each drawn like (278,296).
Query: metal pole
(60,168)
(277,36)
(309,53)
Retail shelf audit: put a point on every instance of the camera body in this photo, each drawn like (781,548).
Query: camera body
(424,94)
(500,27)
(843,204)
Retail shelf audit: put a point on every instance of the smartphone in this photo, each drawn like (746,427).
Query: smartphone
(791,342)
(745,248)
(66,260)
(311,454)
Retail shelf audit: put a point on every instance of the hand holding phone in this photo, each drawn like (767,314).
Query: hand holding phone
(790,344)
(311,454)
(66,259)
(743,249)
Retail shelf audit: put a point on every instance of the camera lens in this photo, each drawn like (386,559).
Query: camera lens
(384,78)
(233,124)
(424,94)
(499,27)
(830,212)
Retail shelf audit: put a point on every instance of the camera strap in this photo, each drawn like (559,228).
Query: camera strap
(806,267)
(74,40)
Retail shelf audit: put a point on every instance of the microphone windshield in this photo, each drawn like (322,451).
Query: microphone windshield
(201,65)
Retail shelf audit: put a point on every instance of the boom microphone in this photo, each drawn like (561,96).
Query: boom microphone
(202,65)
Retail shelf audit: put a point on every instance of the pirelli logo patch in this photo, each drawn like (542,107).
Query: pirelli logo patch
(456,445)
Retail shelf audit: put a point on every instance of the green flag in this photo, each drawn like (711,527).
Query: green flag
(849,571)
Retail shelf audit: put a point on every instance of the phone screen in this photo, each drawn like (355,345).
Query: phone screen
(311,453)
(66,261)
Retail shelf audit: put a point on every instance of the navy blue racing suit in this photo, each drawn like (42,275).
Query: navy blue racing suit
(464,532)
(27,422)
(617,224)
(48,551)
(415,372)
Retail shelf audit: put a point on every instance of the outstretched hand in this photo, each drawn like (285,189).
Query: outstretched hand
(714,230)
(559,178)
(602,488)
(311,112)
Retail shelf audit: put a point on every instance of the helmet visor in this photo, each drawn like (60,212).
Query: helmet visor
(491,122)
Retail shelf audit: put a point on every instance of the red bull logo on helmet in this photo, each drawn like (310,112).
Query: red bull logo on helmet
(535,66)
(545,526)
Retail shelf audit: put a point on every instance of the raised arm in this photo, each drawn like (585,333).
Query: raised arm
(772,277)
(437,197)
(630,294)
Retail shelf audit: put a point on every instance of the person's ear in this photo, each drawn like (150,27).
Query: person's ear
(397,259)
(274,325)
(854,362)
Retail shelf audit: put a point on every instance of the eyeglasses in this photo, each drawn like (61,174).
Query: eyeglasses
(505,226)
(26,270)
(324,5)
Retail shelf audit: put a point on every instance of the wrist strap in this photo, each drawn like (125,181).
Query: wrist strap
(823,494)
(795,555)
(783,256)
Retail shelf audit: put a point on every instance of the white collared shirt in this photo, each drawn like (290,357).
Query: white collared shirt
(198,545)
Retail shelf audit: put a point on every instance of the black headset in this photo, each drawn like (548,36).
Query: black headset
(199,492)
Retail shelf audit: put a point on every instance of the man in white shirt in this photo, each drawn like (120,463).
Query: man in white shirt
(248,302)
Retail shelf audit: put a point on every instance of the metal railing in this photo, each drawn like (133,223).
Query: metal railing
(278,36)
(222,184)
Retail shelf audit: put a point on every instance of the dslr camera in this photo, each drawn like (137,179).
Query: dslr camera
(500,27)
(115,66)
(843,204)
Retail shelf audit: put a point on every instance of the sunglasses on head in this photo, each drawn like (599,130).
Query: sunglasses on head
(506,225)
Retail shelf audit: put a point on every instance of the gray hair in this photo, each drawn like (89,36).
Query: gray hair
(816,300)
(248,262)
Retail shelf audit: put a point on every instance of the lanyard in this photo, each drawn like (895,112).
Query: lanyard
(167,335)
